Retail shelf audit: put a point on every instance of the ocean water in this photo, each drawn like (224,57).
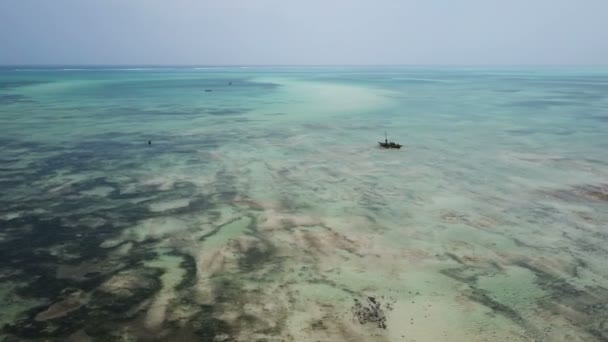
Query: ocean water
(264,210)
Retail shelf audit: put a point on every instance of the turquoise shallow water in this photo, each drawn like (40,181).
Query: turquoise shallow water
(264,210)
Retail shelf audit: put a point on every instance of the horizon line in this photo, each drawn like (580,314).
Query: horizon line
(298,65)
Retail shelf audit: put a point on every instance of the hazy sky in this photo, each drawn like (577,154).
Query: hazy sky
(304,32)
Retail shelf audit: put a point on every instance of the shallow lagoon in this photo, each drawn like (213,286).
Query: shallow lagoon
(263,209)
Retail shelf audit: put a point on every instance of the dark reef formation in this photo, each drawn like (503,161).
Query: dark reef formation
(371,310)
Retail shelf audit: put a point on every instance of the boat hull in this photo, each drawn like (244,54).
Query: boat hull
(385,145)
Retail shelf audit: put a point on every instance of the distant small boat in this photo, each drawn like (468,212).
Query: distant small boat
(208,90)
(388,144)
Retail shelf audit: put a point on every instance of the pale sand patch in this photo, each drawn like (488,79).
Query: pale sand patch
(322,98)
(12,215)
(209,263)
(111,243)
(156,228)
(162,302)
(249,203)
(163,183)
(273,220)
(351,223)
(223,215)
(311,311)
(187,239)
(320,241)
(64,182)
(62,252)
(125,282)
(93,222)
(285,310)
(216,254)
(322,326)
(99,191)
(79,336)
(124,249)
(168,178)
(72,302)
(169,205)
(559,266)
(441,319)
(267,306)
(137,200)
(515,287)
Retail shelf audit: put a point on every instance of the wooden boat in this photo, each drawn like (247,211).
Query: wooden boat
(391,144)
(388,144)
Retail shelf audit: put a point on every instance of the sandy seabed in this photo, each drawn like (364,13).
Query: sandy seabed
(247,219)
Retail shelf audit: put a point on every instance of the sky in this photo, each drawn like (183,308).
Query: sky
(304,32)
